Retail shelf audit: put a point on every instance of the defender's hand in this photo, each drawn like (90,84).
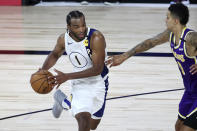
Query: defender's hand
(115,60)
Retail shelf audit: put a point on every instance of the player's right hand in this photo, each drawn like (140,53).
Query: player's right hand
(193,69)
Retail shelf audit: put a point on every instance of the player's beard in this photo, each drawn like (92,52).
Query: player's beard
(77,35)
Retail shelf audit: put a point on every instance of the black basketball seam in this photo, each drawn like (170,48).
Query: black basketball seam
(37,80)
(44,89)
(41,86)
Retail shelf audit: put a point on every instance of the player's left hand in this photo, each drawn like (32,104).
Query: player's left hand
(193,69)
(58,79)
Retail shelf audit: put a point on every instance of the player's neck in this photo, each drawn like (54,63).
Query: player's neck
(178,31)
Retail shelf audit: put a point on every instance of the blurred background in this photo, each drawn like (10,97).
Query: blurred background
(33,2)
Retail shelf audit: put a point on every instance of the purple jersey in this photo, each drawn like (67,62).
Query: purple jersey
(184,61)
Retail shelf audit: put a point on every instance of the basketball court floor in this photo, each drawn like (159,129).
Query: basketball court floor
(144,91)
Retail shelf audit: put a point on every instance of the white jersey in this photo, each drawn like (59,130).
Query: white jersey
(88,94)
(79,54)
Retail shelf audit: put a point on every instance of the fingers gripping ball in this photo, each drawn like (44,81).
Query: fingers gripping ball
(39,82)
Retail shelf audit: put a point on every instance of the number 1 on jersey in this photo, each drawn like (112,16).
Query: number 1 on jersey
(77,60)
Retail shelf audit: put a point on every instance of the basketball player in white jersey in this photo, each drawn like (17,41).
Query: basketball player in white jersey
(85,48)
(183,43)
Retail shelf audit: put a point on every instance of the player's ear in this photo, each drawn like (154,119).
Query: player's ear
(176,21)
(68,26)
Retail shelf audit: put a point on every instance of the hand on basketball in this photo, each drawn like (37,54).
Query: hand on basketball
(58,79)
(193,69)
(115,60)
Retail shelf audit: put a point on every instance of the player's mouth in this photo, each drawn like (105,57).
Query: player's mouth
(81,35)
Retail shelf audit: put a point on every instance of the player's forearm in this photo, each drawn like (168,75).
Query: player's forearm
(94,71)
(50,61)
(144,46)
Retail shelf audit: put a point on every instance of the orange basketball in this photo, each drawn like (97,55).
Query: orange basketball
(39,82)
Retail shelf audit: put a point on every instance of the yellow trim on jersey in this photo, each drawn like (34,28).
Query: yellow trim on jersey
(170,37)
(175,47)
(85,42)
(192,112)
(71,97)
(181,116)
(180,66)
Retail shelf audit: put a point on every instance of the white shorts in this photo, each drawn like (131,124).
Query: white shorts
(89,97)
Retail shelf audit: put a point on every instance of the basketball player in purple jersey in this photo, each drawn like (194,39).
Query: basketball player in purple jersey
(183,42)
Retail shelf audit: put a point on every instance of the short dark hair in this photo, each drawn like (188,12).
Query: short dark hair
(73,14)
(180,11)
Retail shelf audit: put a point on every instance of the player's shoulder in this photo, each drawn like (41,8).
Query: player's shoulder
(191,32)
(191,35)
(61,40)
(98,38)
(97,34)
(62,36)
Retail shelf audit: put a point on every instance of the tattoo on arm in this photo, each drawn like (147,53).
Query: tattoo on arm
(149,43)
(192,39)
(143,46)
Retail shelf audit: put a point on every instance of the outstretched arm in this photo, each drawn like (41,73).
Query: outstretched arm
(141,47)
